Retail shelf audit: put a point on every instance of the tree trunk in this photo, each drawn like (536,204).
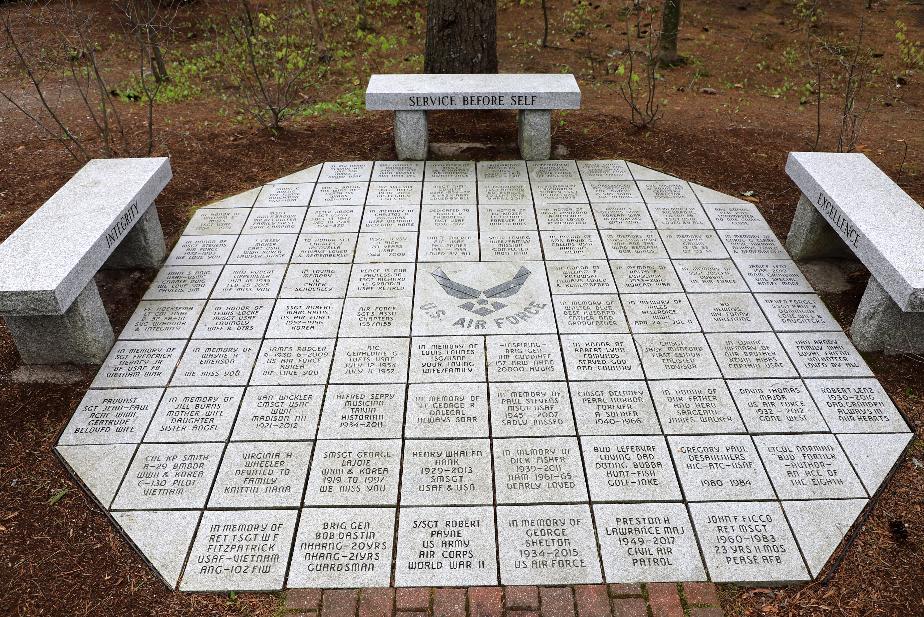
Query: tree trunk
(670,24)
(461,36)
(545,25)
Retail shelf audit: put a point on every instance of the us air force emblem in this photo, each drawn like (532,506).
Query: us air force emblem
(482,302)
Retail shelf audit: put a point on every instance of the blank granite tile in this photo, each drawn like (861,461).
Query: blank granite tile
(392,246)
(818,542)
(162,319)
(216,363)
(99,467)
(183,283)
(362,412)
(447,410)
(622,216)
(169,476)
(261,474)
(343,548)
(709,276)
(719,468)
(808,467)
(518,358)
(349,171)
(873,455)
(146,532)
(824,355)
(604,170)
(773,276)
(600,356)
(591,313)
(747,542)
(111,416)
(538,470)
(461,217)
(693,244)
(695,407)
(662,547)
(728,312)
(633,244)
(776,406)
(580,277)
(241,200)
(562,217)
(201,251)
(194,414)
(275,195)
(531,409)
(234,319)
(523,563)
(447,358)
(305,318)
(797,312)
(315,281)
(676,356)
(139,364)
(278,413)
(208,222)
(613,408)
(429,547)
(226,539)
(363,317)
(629,468)
(294,362)
(381,280)
(275,221)
(309,174)
(244,282)
(856,406)
(750,355)
(380,360)
(645,276)
(354,472)
(393,171)
(510,245)
(324,248)
(656,313)
(332,219)
(572,244)
(263,249)
(446,472)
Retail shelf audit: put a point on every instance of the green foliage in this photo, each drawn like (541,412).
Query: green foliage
(910,52)
(808,12)
(349,103)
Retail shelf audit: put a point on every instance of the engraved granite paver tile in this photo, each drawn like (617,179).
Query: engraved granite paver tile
(294,362)
(613,408)
(386,280)
(522,562)
(146,532)
(394,195)
(340,194)
(169,476)
(600,356)
(245,282)
(201,251)
(429,547)
(655,313)
(234,319)
(519,358)
(343,548)
(392,246)
(580,277)
(448,245)
(829,354)
(462,217)
(667,192)
(447,410)
(324,248)
(364,317)
(750,355)
(111,416)
(379,360)
(305,318)
(622,216)
(752,244)
(100,467)
(362,412)
(276,195)
(773,276)
(208,222)
(538,470)
(629,468)
(183,283)
(216,363)
(139,364)
(798,312)
(225,540)
(553,170)
(504,171)
(506,218)
(562,217)
(510,245)
(162,319)
(679,216)
(633,244)
(645,276)
(390,218)
(278,413)
(776,406)
(728,312)
(808,467)
(241,200)
(315,281)
(662,547)
(447,359)
(748,542)
(348,171)
(856,406)
(275,221)
(818,542)
(693,244)
(261,474)
(592,313)
(604,170)
(332,219)
(676,356)
(354,472)
(446,472)
(719,468)
(612,191)
(449,193)
(263,249)
(709,276)
(455,171)
(506,192)
(395,171)
(572,244)
(531,409)
(695,407)
(735,216)
(194,414)
(873,455)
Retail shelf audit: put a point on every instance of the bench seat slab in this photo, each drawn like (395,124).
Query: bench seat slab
(82,335)
(880,325)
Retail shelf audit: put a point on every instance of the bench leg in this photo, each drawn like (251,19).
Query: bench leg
(534,134)
(811,236)
(143,246)
(82,335)
(411,140)
(880,325)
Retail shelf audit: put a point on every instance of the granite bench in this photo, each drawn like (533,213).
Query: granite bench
(849,204)
(104,215)
(410,96)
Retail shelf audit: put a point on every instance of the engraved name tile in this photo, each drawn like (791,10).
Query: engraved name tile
(363,317)
(495,192)
(560,217)
(656,313)
(139,364)
(678,216)
(275,221)
(808,467)
(194,414)
(167,476)
(314,281)
(828,354)
(395,171)
(340,194)
(241,282)
(510,245)
(462,217)
(390,218)
(183,283)
(552,170)
(600,356)
(385,280)
(362,411)
(263,474)
(216,363)
(667,192)
(293,362)
(629,469)
(735,216)
(745,355)
(263,249)
(719,468)
(693,244)
(276,195)
(305,318)
(447,358)
(580,277)
(162,319)
(709,276)
(797,312)
(567,245)
(446,472)
(347,171)
(752,244)
(695,407)
(386,247)
(233,319)
(444,193)
(610,191)
(613,408)
(511,218)
(592,313)
(332,219)
(773,276)
(354,472)
(456,171)
(776,406)
(324,248)
(111,416)
(201,251)
(856,406)
(633,244)
(447,410)
(380,360)
(538,469)
(394,194)
(676,356)
(209,222)
(278,413)
(728,312)
(531,409)
(645,276)
(518,358)
(448,246)
(604,170)
(505,171)
(622,216)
